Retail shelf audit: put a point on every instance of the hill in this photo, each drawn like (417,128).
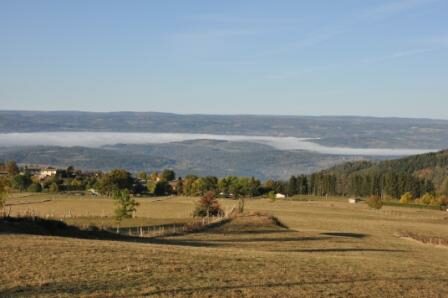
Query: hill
(406,173)
(360,132)
(201,157)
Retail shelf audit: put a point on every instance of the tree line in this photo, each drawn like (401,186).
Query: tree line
(350,179)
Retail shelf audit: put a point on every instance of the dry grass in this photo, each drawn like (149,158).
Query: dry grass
(332,249)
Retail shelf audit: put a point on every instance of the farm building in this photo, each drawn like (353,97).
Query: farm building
(280,196)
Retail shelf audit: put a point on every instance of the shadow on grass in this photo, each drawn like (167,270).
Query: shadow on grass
(246,231)
(266,239)
(48,227)
(268,285)
(323,250)
(346,235)
(86,289)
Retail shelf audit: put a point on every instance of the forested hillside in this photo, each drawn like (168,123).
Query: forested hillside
(419,174)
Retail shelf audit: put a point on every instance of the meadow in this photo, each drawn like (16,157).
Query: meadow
(329,249)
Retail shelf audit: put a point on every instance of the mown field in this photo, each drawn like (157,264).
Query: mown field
(331,249)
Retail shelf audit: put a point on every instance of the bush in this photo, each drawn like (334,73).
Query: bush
(407,198)
(53,188)
(427,199)
(208,205)
(35,187)
(375,202)
(443,200)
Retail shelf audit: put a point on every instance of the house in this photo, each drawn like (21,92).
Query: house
(93,192)
(354,200)
(174,185)
(280,196)
(226,195)
(47,172)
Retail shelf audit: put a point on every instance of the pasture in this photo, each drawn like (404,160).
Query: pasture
(330,249)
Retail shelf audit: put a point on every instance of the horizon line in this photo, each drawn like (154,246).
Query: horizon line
(232,114)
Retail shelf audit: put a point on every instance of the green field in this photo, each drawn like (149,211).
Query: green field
(330,249)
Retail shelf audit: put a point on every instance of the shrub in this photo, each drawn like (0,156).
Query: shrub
(208,205)
(271,196)
(443,200)
(53,187)
(35,187)
(3,194)
(375,202)
(407,198)
(427,199)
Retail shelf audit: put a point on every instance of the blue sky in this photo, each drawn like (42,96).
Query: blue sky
(291,57)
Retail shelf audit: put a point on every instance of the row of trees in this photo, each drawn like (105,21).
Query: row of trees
(357,182)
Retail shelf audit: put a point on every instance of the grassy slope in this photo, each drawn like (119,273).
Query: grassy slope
(333,248)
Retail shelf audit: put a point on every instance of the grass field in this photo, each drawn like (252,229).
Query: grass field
(331,249)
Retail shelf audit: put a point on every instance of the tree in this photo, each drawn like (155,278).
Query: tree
(126,205)
(161,188)
(3,192)
(188,182)
(115,180)
(168,175)
(292,186)
(204,184)
(444,187)
(208,205)
(391,185)
(70,171)
(142,175)
(303,185)
(12,168)
(271,196)
(21,182)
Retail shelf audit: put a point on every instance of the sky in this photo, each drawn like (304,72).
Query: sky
(285,57)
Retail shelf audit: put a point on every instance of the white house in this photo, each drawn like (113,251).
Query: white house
(48,172)
(280,196)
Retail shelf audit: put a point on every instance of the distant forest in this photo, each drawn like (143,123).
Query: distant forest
(420,174)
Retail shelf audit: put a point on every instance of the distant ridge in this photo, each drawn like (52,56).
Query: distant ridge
(338,131)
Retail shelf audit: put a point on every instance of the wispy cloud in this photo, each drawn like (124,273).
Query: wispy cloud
(335,29)
(392,8)
(224,19)
(398,55)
